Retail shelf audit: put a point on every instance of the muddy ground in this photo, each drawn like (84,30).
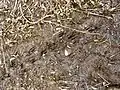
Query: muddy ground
(60,45)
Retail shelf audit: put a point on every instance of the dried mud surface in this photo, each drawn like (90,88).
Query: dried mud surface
(56,53)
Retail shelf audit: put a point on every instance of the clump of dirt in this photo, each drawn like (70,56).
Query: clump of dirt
(59,45)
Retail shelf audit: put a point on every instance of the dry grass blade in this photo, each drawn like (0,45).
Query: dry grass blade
(3,54)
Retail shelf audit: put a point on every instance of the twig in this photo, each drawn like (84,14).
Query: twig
(94,14)
(33,22)
(84,32)
(104,79)
(13,10)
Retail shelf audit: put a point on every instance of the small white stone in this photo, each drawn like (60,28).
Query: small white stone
(43,56)
(66,53)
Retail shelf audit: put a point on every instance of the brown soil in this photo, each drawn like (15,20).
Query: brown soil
(56,53)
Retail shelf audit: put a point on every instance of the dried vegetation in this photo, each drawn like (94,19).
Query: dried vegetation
(59,45)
